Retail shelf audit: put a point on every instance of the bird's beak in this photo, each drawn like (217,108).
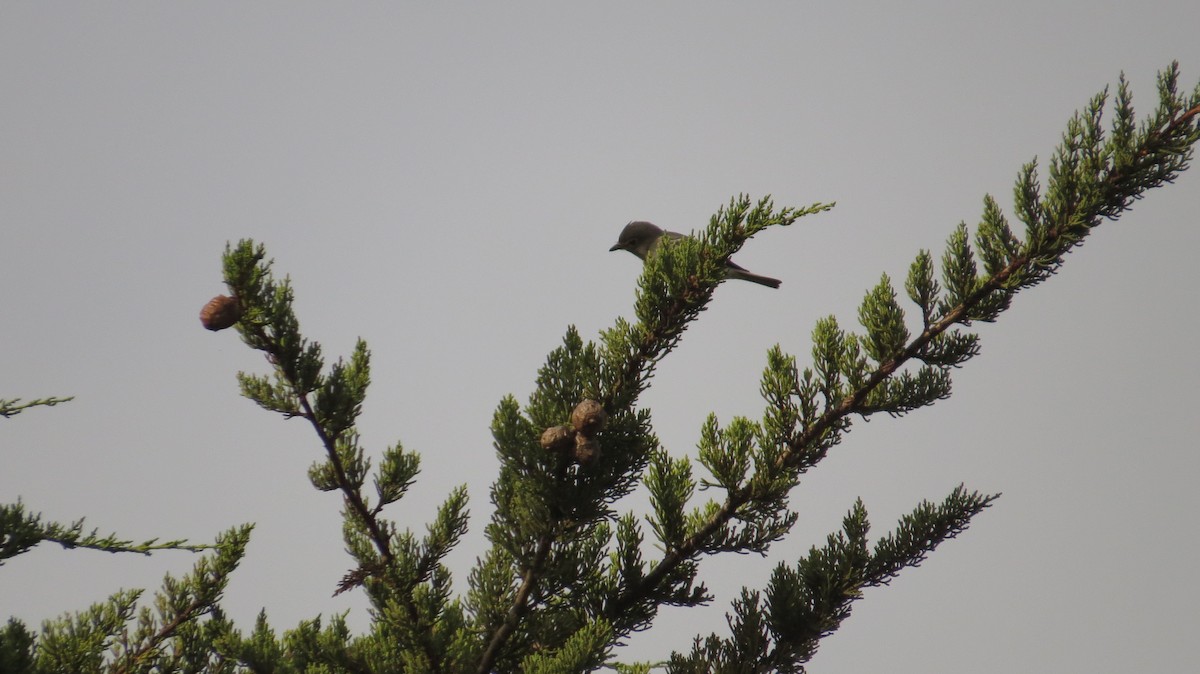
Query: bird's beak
(616,247)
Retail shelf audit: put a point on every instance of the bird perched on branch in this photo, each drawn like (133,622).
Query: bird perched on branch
(640,237)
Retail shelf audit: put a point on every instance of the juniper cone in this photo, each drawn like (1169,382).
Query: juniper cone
(640,237)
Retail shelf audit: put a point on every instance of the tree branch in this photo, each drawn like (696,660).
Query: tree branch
(519,607)
(794,456)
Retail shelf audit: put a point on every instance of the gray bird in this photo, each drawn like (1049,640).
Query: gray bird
(641,237)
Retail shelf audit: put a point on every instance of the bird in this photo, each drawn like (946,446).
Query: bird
(640,237)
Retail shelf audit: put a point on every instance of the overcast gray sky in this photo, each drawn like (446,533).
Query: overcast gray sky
(445,181)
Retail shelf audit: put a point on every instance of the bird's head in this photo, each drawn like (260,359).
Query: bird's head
(637,238)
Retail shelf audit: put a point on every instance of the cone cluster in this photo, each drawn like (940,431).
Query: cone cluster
(579,438)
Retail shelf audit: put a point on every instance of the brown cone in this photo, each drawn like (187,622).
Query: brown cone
(221,312)
(558,438)
(587,450)
(589,417)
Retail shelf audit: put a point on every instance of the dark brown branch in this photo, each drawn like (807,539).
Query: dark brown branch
(519,607)
(378,537)
(349,492)
(165,632)
(359,507)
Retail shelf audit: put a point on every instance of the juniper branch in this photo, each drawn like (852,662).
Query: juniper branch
(269,325)
(13,407)
(20,531)
(1164,150)
(519,608)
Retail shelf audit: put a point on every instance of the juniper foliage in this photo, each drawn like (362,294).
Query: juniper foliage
(568,575)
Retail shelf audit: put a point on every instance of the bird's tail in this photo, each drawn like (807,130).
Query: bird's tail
(754,278)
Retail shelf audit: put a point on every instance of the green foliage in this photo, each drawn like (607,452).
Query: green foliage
(14,406)
(78,643)
(21,531)
(17,652)
(884,320)
(780,629)
(179,634)
(567,577)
